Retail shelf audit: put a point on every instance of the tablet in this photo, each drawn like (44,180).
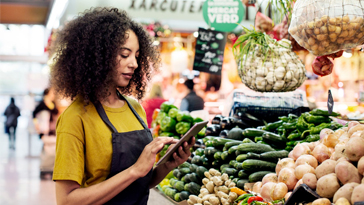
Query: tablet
(189,134)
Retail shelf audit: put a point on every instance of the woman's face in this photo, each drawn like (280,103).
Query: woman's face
(127,59)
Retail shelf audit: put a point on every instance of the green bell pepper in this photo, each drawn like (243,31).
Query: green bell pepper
(166,106)
(186,117)
(182,127)
(201,133)
(313,138)
(166,134)
(323,112)
(160,116)
(197,119)
(273,125)
(168,124)
(302,125)
(173,112)
(317,119)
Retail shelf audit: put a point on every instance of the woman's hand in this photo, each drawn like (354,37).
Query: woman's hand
(183,154)
(146,160)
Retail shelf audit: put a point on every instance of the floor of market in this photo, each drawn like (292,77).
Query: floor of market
(20,182)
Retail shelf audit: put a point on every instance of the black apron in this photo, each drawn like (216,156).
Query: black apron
(127,147)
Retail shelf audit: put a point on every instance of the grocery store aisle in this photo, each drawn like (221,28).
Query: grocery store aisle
(19,172)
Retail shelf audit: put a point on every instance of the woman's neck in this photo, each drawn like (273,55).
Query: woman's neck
(113,101)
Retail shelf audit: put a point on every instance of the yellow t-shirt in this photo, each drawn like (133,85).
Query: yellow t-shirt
(84,148)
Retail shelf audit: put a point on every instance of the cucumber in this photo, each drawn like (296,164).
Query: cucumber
(241,157)
(251,155)
(172,181)
(210,151)
(177,197)
(238,165)
(198,160)
(232,149)
(274,156)
(253,132)
(184,165)
(225,155)
(220,142)
(274,137)
(193,188)
(192,177)
(177,174)
(217,155)
(208,138)
(229,171)
(258,176)
(252,165)
(216,163)
(232,163)
(243,174)
(247,140)
(230,144)
(224,166)
(200,171)
(235,180)
(236,133)
(184,195)
(209,143)
(184,171)
(199,151)
(255,148)
(240,184)
(169,191)
(193,167)
(179,186)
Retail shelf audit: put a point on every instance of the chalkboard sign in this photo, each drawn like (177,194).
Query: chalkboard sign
(209,51)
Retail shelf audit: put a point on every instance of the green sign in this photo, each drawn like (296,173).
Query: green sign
(223,15)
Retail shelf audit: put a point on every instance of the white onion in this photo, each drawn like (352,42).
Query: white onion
(283,163)
(287,176)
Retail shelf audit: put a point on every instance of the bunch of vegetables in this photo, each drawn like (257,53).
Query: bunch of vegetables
(266,65)
(333,166)
(325,27)
(171,122)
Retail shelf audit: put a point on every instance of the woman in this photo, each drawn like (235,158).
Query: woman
(105,152)
(12,112)
(154,101)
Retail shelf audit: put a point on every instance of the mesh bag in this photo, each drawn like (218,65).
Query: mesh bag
(327,26)
(279,71)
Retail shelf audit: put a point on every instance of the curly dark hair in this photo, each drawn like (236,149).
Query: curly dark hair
(87,48)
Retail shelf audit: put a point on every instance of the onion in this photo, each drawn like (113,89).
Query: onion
(352,124)
(299,150)
(279,191)
(310,145)
(306,158)
(310,180)
(287,176)
(272,177)
(298,183)
(321,153)
(266,190)
(356,134)
(286,197)
(290,155)
(330,140)
(324,132)
(302,170)
(283,163)
(257,187)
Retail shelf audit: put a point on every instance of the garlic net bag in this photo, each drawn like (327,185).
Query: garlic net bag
(327,26)
(279,71)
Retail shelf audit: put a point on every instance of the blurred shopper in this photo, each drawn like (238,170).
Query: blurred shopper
(44,117)
(12,112)
(105,150)
(154,101)
(191,101)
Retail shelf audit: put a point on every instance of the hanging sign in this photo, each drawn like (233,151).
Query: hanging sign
(209,51)
(223,15)
(330,102)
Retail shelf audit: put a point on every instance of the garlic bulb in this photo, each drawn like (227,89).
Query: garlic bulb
(280,72)
(270,78)
(262,71)
(278,85)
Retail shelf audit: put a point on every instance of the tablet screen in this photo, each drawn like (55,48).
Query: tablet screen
(189,134)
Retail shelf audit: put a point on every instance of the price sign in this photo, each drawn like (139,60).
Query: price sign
(209,51)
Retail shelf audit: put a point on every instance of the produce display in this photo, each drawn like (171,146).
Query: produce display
(325,27)
(266,65)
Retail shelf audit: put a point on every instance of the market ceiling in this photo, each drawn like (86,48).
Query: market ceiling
(25,11)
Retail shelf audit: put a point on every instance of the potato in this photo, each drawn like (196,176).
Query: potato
(361,166)
(347,172)
(339,149)
(327,185)
(310,180)
(341,160)
(326,167)
(345,191)
(357,194)
(358,127)
(322,201)
(354,148)
(342,201)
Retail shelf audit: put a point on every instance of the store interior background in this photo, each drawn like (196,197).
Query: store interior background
(26,27)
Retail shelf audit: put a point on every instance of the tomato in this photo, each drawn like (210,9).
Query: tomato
(255,198)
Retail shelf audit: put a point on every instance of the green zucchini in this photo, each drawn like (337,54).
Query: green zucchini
(238,165)
(169,191)
(253,147)
(210,151)
(258,176)
(243,174)
(177,174)
(220,142)
(229,171)
(200,171)
(217,155)
(232,163)
(252,132)
(274,137)
(224,166)
(247,140)
(199,151)
(225,155)
(240,184)
(177,197)
(252,165)
(184,195)
(172,181)
(198,160)
(274,156)
(241,157)
(232,143)
(192,177)
(232,149)
(184,171)
(179,186)
(209,143)
(251,155)
(193,167)
(193,188)
(208,138)
(184,165)
(216,163)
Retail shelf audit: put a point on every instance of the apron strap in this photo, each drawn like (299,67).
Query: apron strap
(132,109)
(104,117)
